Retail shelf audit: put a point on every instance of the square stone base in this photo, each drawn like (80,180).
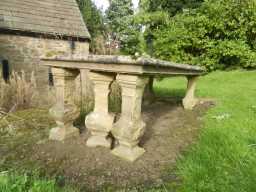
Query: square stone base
(189,103)
(127,153)
(98,141)
(60,134)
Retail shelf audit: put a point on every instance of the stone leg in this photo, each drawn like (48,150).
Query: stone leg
(149,95)
(86,88)
(64,111)
(100,121)
(130,127)
(189,102)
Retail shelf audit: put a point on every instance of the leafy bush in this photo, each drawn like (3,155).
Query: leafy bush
(219,34)
(172,7)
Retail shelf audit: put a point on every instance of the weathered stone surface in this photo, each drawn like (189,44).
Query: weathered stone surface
(190,101)
(64,111)
(132,76)
(60,134)
(124,65)
(45,17)
(128,153)
(23,53)
(128,60)
(100,121)
(130,127)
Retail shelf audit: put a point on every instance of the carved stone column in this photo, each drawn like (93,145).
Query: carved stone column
(190,101)
(130,127)
(100,121)
(64,111)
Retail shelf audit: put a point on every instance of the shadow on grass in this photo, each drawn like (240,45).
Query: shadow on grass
(170,93)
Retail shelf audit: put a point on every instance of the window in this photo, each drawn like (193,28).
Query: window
(72,45)
(5,70)
(50,78)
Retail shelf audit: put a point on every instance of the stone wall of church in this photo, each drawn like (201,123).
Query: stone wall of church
(23,53)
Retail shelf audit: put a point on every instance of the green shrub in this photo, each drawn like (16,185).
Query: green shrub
(219,34)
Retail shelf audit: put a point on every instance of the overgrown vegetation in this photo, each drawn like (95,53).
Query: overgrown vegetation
(18,92)
(172,7)
(219,34)
(14,182)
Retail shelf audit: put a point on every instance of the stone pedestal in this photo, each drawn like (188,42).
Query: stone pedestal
(100,121)
(64,111)
(130,127)
(190,101)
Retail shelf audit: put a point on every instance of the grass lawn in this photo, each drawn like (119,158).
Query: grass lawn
(224,157)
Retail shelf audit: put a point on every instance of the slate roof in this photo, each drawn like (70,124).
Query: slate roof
(51,17)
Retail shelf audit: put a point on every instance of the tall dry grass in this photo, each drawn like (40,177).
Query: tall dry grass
(19,92)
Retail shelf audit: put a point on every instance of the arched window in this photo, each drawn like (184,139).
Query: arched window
(5,70)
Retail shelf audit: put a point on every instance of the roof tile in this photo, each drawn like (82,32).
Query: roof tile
(54,17)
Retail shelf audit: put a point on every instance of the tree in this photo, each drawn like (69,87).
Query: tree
(120,23)
(172,7)
(154,14)
(118,15)
(218,35)
(95,23)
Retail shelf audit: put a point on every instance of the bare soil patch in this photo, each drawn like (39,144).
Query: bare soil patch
(170,130)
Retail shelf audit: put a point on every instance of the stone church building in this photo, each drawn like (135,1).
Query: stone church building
(30,29)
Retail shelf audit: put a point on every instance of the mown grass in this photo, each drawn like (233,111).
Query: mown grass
(224,158)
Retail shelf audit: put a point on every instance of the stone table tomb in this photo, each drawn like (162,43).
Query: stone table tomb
(132,75)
